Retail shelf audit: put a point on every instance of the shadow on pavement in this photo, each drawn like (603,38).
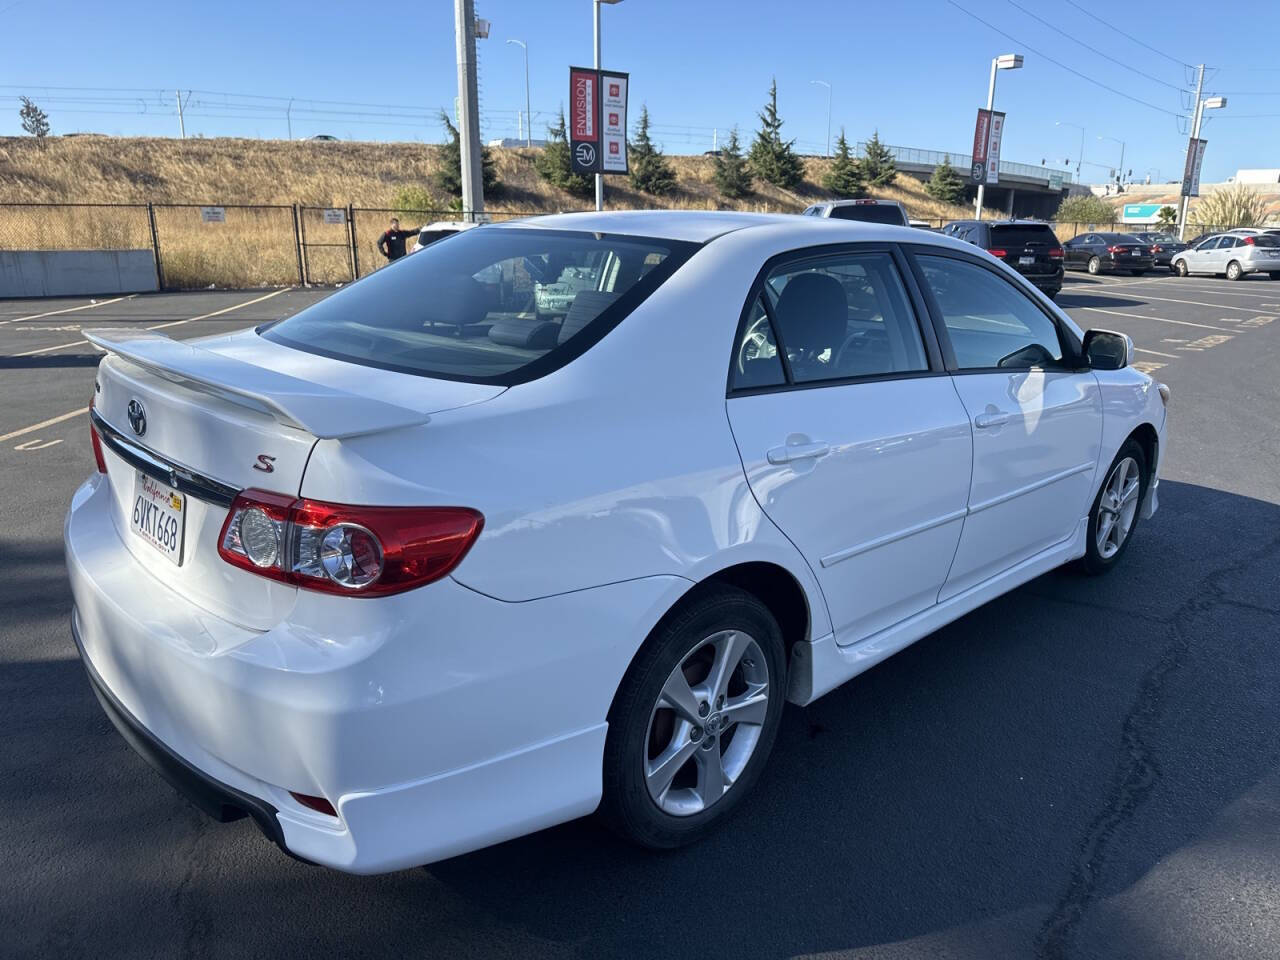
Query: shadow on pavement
(1009,786)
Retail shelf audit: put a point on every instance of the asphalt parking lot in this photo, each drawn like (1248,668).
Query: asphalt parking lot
(1082,768)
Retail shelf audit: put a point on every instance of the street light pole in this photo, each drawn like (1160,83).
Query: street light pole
(1207,103)
(599,177)
(1120,177)
(528,117)
(823,83)
(1067,123)
(1007,61)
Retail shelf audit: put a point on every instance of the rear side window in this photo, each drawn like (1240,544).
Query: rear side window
(870,213)
(1022,235)
(498,305)
(990,322)
(837,318)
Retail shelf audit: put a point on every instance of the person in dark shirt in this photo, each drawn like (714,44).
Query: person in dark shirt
(391,243)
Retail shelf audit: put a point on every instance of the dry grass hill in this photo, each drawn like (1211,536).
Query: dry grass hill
(256,246)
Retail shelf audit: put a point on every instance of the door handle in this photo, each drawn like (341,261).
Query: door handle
(996,418)
(799,451)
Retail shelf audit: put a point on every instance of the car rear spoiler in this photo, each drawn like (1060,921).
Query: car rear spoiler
(324,412)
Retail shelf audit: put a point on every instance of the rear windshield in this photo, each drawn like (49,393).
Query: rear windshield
(499,305)
(870,213)
(1120,238)
(1266,240)
(1018,234)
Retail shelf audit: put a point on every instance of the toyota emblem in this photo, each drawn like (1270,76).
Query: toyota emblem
(137,417)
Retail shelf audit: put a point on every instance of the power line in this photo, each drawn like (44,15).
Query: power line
(1059,63)
(1141,43)
(1105,56)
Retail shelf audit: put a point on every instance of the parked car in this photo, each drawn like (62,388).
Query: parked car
(398,595)
(1163,247)
(438,231)
(1231,255)
(1109,252)
(1028,246)
(865,211)
(325,138)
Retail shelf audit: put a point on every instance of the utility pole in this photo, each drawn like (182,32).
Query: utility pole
(464,12)
(182,127)
(1191,144)
(288,117)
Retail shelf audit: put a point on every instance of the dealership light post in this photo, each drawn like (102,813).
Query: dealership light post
(528,117)
(1006,61)
(596,10)
(1068,123)
(823,83)
(1120,177)
(1208,103)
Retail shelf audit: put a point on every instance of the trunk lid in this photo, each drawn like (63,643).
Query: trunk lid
(211,417)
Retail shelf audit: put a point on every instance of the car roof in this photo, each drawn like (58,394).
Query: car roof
(784,230)
(863,202)
(698,226)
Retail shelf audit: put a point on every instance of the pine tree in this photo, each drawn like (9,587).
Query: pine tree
(650,171)
(772,158)
(844,179)
(731,174)
(448,177)
(878,168)
(945,184)
(34,120)
(554,164)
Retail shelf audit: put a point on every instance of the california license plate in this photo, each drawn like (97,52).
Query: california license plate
(1026,261)
(158,515)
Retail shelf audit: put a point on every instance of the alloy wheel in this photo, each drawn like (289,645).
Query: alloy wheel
(1117,507)
(706,723)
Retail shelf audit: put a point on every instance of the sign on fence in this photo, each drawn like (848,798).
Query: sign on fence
(213,214)
(335,215)
(1140,212)
(1191,172)
(597,120)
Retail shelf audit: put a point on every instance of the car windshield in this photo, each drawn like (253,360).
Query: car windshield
(1020,234)
(1266,240)
(869,213)
(493,305)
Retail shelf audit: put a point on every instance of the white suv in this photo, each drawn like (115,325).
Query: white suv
(867,211)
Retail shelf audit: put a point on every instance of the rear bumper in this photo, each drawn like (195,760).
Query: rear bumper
(436,724)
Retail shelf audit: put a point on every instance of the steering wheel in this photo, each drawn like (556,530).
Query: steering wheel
(754,344)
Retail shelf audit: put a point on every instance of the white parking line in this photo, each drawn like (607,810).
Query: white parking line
(44,423)
(1156,353)
(1142,316)
(1145,296)
(1219,287)
(54,313)
(158,326)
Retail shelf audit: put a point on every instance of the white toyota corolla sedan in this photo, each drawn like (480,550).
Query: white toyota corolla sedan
(420,569)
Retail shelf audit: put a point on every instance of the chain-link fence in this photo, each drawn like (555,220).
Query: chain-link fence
(255,245)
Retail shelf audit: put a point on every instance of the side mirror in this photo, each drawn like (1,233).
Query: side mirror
(1108,350)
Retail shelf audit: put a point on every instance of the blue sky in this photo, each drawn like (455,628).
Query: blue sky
(916,73)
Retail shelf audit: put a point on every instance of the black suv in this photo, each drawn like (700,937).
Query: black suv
(1028,246)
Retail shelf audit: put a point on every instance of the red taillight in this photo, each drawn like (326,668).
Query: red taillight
(1056,253)
(1115,249)
(319,804)
(1156,248)
(97,443)
(997,252)
(337,548)
(1249,240)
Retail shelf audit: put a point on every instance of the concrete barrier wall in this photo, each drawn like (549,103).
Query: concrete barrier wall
(70,273)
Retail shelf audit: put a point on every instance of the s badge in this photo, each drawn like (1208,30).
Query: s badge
(265,463)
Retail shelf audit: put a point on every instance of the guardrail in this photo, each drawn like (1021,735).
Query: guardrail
(963,161)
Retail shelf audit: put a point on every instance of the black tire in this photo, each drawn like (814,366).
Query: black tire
(1234,266)
(1180,268)
(1274,274)
(1093,562)
(627,806)
(1094,266)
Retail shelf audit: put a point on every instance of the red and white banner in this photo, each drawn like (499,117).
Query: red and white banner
(584,126)
(613,122)
(993,147)
(981,137)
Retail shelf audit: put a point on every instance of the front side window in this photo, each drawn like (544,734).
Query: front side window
(497,305)
(991,323)
(835,318)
